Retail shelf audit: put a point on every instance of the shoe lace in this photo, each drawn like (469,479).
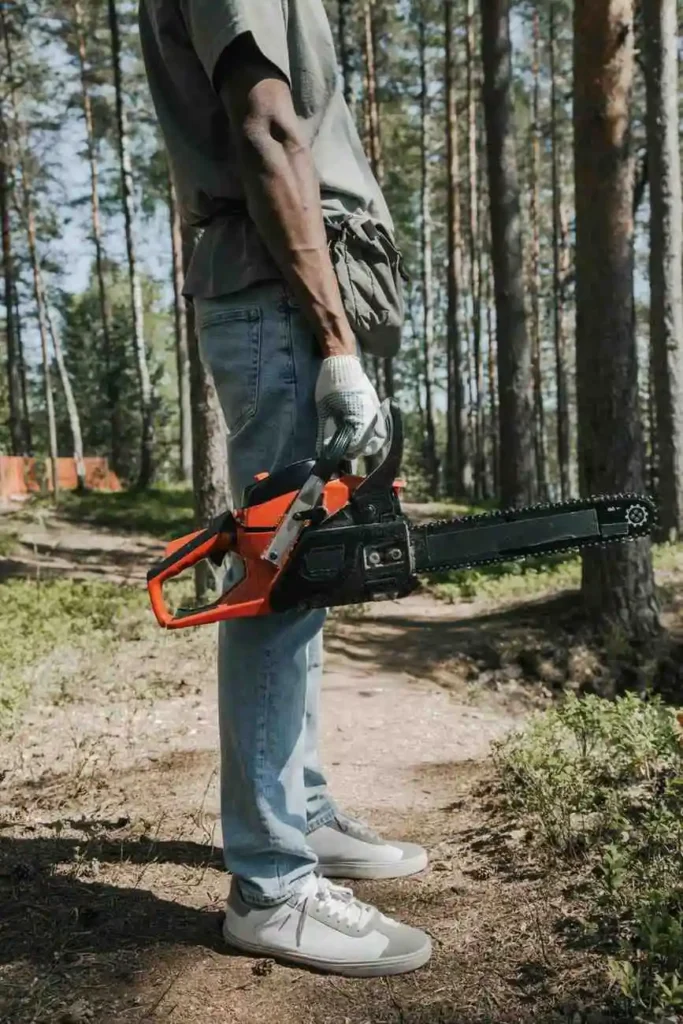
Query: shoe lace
(335,901)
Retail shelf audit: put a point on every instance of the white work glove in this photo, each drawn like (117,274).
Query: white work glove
(344,394)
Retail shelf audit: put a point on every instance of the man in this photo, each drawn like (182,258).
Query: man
(248,97)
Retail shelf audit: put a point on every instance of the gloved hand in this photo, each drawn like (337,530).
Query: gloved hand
(344,394)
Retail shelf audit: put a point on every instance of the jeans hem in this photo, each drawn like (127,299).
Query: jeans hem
(323,818)
(269,902)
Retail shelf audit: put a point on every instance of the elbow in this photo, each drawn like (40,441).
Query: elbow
(270,135)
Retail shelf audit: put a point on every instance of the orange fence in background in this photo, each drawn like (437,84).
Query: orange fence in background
(20,476)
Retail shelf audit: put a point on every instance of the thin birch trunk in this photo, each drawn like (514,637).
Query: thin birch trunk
(26,414)
(111,382)
(147,468)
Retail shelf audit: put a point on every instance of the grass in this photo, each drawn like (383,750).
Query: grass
(40,618)
(8,543)
(529,578)
(599,785)
(164,512)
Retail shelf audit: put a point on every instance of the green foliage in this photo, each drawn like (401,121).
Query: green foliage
(528,578)
(508,579)
(162,512)
(84,349)
(40,619)
(8,543)
(601,783)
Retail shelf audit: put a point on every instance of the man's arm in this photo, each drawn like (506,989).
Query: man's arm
(282,188)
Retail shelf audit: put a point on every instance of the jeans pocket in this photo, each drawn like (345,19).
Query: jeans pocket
(230,340)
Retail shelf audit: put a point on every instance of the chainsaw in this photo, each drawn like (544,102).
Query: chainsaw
(316,535)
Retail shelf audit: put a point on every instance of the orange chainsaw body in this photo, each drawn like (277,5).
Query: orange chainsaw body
(249,536)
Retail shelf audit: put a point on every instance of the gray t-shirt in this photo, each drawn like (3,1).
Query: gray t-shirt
(182,42)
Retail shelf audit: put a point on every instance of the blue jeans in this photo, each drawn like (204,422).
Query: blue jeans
(265,361)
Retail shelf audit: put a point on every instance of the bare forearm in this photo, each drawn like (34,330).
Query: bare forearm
(283,196)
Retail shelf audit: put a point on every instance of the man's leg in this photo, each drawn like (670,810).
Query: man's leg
(265,371)
(319,806)
(265,362)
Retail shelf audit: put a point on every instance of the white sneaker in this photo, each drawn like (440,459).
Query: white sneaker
(347,848)
(323,926)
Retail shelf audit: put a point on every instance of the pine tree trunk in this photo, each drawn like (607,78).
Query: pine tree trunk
(456,421)
(618,585)
(494,430)
(666,255)
(181,337)
(26,415)
(147,468)
(514,353)
(472,469)
(17,440)
(111,373)
(430,456)
(560,273)
(534,216)
(209,442)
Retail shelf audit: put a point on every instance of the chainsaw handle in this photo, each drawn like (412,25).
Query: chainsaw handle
(331,457)
(214,542)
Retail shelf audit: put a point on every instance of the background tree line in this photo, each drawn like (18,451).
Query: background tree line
(529,152)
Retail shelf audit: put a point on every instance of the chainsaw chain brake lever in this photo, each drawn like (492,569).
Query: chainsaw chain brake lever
(306,506)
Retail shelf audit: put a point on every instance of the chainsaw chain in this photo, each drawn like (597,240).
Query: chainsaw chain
(639,532)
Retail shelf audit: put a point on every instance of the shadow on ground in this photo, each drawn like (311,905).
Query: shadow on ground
(419,647)
(130,928)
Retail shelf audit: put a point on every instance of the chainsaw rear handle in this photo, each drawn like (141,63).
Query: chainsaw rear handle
(219,539)
(214,542)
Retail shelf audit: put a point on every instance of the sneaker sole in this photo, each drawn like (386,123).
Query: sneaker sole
(363,969)
(368,870)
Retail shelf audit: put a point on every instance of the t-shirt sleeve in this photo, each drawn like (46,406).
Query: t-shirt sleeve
(214,24)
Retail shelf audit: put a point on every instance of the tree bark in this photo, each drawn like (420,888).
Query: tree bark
(617,584)
(514,353)
(494,429)
(26,415)
(666,255)
(534,216)
(147,468)
(561,267)
(111,382)
(181,337)
(43,331)
(209,442)
(16,434)
(472,468)
(71,407)
(431,461)
(456,418)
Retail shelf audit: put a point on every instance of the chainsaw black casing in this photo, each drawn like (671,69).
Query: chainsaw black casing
(339,565)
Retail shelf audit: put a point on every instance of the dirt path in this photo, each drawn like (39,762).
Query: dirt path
(111,883)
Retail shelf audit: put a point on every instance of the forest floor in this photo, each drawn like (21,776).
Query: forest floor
(111,884)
